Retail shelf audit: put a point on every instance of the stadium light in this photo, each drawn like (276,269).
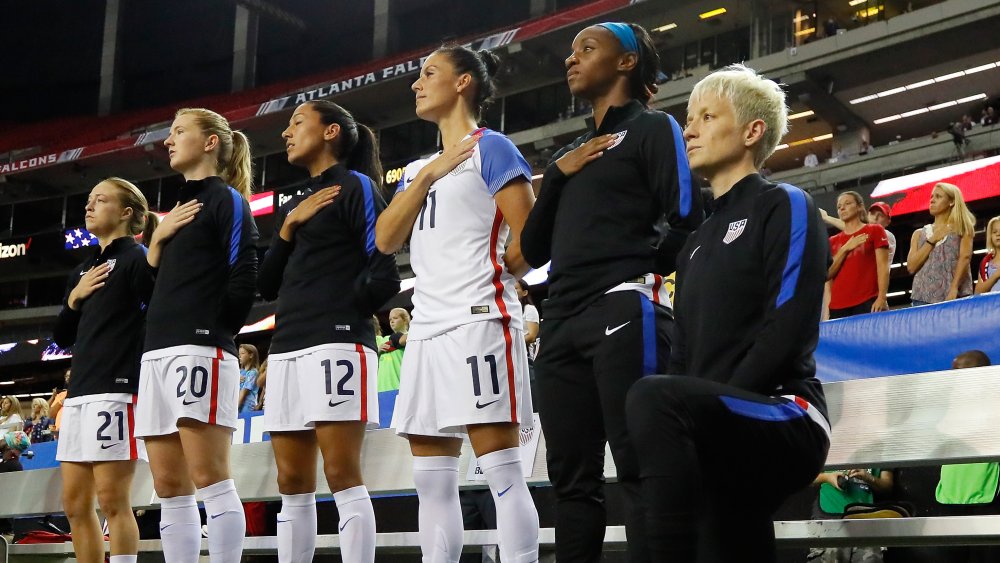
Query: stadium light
(712,13)
(806,31)
(928,82)
(800,142)
(663,28)
(801,114)
(927,109)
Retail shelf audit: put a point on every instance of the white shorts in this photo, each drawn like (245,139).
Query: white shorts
(474,374)
(197,382)
(325,383)
(99,428)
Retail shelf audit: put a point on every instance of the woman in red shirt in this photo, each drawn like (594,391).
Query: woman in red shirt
(859,275)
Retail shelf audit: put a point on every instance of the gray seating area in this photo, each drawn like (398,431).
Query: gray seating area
(897,421)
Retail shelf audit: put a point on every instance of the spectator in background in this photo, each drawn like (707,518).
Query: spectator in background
(56,402)
(989,268)
(811,160)
(971,359)
(988,116)
(10,414)
(531,318)
(249,390)
(390,349)
(967,123)
(39,425)
(859,275)
(880,214)
(12,446)
(262,385)
(865,148)
(837,489)
(830,27)
(940,252)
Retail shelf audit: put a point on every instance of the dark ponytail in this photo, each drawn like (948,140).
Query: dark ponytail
(358,147)
(482,66)
(642,80)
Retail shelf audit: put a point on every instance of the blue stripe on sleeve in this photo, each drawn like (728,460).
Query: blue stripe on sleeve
(796,243)
(683,168)
(648,336)
(501,161)
(237,232)
(368,190)
(777,412)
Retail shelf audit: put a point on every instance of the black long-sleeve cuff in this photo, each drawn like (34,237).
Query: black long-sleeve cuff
(272,268)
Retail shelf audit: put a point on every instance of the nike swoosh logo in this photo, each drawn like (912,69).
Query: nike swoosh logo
(214,516)
(344,525)
(106,446)
(609,331)
(479,406)
(186,402)
(337,404)
(165,527)
(280,521)
(503,492)
(693,251)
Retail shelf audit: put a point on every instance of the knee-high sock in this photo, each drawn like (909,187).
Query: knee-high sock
(440,513)
(180,529)
(227,526)
(297,528)
(357,525)
(517,518)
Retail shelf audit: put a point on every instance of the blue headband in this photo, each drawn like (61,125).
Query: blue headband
(625,35)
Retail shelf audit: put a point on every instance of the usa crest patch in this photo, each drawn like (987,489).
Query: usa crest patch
(619,137)
(735,230)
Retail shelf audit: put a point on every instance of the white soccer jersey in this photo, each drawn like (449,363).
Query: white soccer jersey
(458,240)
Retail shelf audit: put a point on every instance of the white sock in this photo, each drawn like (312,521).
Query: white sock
(517,518)
(297,528)
(357,525)
(440,513)
(124,558)
(180,529)
(227,526)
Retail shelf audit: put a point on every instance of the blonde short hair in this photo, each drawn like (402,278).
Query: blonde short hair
(753,97)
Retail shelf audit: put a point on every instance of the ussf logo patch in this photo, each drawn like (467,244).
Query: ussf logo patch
(735,230)
(619,137)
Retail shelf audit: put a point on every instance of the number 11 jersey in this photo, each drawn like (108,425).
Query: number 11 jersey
(458,241)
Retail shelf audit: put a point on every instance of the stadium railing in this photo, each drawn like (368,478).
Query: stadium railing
(895,421)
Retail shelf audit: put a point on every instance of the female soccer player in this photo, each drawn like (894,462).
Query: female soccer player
(466,369)
(744,396)
(599,219)
(329,278)
(102,319)
(205,266)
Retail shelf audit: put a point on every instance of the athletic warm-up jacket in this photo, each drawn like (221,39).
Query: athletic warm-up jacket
(207,277)
(625,214)
(330,278)
(750,291)
(106,333)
